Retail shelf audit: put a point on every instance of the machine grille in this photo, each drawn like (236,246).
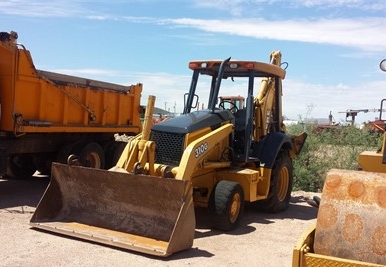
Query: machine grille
(170,147)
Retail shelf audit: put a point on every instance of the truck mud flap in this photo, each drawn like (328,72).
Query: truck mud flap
(143,213)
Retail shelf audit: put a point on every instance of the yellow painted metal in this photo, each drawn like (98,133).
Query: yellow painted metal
(352,215)
(235,206)
(304,255)
(264,101)
(373,160)
(148,118)
(39,101)
(283,183)
(249,179)
(136,212)
(140,151)
(191,162)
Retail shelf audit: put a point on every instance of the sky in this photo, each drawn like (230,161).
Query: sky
(333,47)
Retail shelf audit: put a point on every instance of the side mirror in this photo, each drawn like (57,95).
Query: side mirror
(382,65)
(194,101)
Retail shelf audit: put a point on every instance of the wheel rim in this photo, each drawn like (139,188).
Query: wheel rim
(283,182)
(93,160)
(235,208)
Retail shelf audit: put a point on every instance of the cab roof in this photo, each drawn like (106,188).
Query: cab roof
(238,68)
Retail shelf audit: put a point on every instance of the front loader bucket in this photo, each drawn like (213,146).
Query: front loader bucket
(143,213)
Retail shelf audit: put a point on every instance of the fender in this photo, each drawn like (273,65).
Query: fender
(270,146)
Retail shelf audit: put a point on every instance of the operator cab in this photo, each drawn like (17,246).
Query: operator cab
(207,79)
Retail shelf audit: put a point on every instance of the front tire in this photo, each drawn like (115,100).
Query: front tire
(227,205)
(280,189)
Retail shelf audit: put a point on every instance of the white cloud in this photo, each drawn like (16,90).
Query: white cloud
(368,34)
(353,4)
(43,8)
(364,33)
(243,7)
(234,7)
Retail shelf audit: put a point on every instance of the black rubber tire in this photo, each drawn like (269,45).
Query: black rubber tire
(226,205)
(92,155)
(65,151)
(20,167)
(279,194)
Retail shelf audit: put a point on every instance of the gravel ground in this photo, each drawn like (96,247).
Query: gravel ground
(261,240)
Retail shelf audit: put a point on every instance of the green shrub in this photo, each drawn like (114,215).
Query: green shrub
(327,149)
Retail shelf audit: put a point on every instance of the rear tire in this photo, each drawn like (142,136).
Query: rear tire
(65,151)
(227,205)
(280,189)
(20,167)
(92,156)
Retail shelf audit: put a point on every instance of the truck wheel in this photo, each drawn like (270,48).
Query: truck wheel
(279,194)
(227,205)
(65,151)
(20,167)
(92,156)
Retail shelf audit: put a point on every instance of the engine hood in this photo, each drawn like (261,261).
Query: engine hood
(194,121)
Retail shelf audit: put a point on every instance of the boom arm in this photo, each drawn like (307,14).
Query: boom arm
(265,102)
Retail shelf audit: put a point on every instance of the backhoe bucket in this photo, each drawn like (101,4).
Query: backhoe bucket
(143,213)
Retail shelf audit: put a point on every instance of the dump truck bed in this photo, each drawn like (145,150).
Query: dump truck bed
(38,101)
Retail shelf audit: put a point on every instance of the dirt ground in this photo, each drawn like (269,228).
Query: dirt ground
(261,240)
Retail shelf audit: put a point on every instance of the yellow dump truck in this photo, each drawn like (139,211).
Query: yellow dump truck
(48,116)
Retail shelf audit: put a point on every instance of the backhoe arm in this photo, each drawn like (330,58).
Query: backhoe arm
(264,102)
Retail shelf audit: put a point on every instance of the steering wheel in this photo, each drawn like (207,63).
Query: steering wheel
(233,108)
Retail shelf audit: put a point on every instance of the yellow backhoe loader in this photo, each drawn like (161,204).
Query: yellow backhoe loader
(217,158)
(350,228)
